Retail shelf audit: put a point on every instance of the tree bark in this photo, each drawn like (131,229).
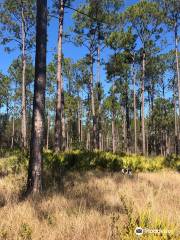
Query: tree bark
(34,183)
(93,107)
(79,121)
(113,124)
(142,106)
(113,135)
(63,145)
(134,106)
(175,126)
(23,120)
(48,128)
(178,76)
(59,145)
(13,130)
(127,122)
(99,134)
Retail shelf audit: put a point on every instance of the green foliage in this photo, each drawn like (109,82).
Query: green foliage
(82,160)
(25,232)
(144,219)
(172,161)
(141,163)
(12,161)
(12,14)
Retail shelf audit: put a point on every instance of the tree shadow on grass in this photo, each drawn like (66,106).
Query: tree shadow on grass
(81,192)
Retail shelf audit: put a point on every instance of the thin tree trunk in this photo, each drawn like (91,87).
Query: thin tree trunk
(99,99)
(134,107)
(175,126)
(142,106)
(23,120)
(113,123)
(113,135)
(124,130)
(48,128)
(67,137)
(63,145)
(93,107)
(79,121)
(178,76)
(34,183)
(127,122)
(58,119)
(13,130)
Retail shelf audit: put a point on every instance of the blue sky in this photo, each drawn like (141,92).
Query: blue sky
(69,49)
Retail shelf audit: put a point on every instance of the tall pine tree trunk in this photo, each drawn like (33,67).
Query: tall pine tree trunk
(34,183)
(58,119)
(99,134)
(142,106)
(175,126)
(13,129)
(113,122)
(127,122)
(23,120)
(134,106)
(79,120)
(48,129)
(93,107)
(178,76)
(63,144)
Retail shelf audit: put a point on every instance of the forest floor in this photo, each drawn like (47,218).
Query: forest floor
(93,205)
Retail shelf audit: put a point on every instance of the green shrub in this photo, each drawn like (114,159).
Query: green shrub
(25,232)
(172,161)
(144,219)
(83,160)
(142,163)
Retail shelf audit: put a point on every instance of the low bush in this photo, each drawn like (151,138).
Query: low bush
(141,163)
(172,161)
(78,160)
(82,160)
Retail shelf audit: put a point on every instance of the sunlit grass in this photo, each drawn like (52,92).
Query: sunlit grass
(92,205)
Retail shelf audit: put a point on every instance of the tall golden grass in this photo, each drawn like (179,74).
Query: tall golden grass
(93,205)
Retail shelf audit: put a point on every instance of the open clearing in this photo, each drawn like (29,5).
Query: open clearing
(92,205)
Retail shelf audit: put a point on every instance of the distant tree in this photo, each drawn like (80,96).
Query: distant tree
(90,31)
(145,19)
(17,25)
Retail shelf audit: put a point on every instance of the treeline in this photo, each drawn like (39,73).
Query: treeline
(122,96)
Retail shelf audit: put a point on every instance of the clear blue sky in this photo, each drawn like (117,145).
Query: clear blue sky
(69,49)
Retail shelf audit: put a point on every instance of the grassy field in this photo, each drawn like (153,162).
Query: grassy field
(92,205)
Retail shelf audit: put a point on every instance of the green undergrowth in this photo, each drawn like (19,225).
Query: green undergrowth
(15,161)
(12,161)
(154,227)
(84,160)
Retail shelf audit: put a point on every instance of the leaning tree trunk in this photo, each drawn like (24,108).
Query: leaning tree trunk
(34,183)
(178,77)
(142,106)
(23,119)
(58,119)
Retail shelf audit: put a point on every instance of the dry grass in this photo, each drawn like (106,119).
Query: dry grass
(91,206)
